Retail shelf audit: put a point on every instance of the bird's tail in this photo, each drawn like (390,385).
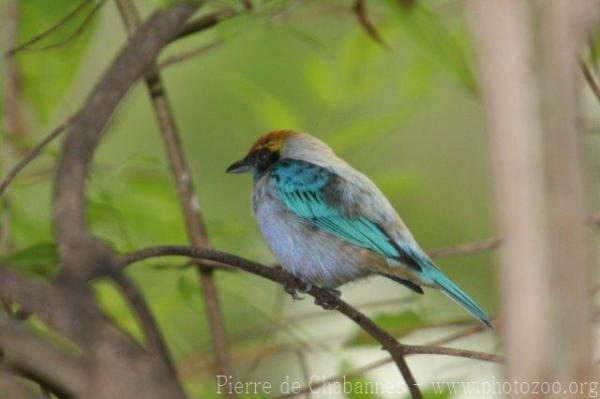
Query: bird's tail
(448,287)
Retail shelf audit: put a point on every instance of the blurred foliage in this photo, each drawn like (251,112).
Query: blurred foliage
(45,82)
(38,259)
(408,118)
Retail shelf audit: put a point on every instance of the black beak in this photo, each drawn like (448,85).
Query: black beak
(242,166)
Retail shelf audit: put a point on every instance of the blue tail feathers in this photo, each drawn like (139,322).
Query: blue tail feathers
(435,276)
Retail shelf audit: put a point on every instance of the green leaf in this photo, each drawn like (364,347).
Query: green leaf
(39,259)
(398,324)
(48,73)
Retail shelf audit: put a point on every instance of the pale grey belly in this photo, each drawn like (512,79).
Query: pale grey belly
(317,257)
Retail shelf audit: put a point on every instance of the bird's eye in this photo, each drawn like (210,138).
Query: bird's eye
(263,156)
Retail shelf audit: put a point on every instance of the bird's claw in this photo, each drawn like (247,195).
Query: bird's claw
(307,286)
(328,303)
(292,288)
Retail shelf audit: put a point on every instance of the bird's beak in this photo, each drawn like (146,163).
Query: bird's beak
(242,166)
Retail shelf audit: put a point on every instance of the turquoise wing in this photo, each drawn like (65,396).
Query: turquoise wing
(312,193)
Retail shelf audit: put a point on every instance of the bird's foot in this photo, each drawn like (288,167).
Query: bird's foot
(292,288)
(329,303)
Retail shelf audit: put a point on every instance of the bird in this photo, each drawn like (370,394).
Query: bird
(329,224)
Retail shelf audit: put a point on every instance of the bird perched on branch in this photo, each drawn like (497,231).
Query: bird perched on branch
(328,224)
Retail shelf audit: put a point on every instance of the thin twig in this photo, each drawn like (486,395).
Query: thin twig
(465,249)
(360,10)
(442,350)
(153,338)
(12,386)
(589,78)
(88,18)
(184,56)
(379,363)
(26,351)
(33,153)
(53,28)
(205,22)
(14,125)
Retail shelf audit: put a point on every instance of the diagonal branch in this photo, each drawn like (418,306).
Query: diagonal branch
(50,30)
(11,386)
(79,252)
(590,78)
(322,296)
(205,22)
(32,356)
(360,11)
(45,301)
(466,248)
(152,335)
(32,154)
(377,364)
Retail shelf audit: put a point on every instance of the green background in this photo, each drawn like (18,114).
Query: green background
(408,116)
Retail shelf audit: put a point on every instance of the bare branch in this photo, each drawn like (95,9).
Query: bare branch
(379,363)
(564,31)
(205,22)
(153,338)
(32,154)
(188,198)
(88,18)
(481,246)
(465,249)
(503,35)
(29,354)
(360,10)
(52,29)
(589,78)
(79,252)
(184,56)
(12,388)
(545,262)
(441,350)
(397,351)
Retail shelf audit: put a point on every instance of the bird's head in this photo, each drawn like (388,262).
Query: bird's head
(276,145)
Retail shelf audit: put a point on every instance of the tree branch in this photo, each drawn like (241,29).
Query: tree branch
(12,388)
(29,354)
(465,249)
(80,253)
(442,350)
(32,154)
(360,10)
(205,22)
(153,338)
(379,363)
(88,18)
(589,78)
(50,30)
(188,198)
(397,351)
